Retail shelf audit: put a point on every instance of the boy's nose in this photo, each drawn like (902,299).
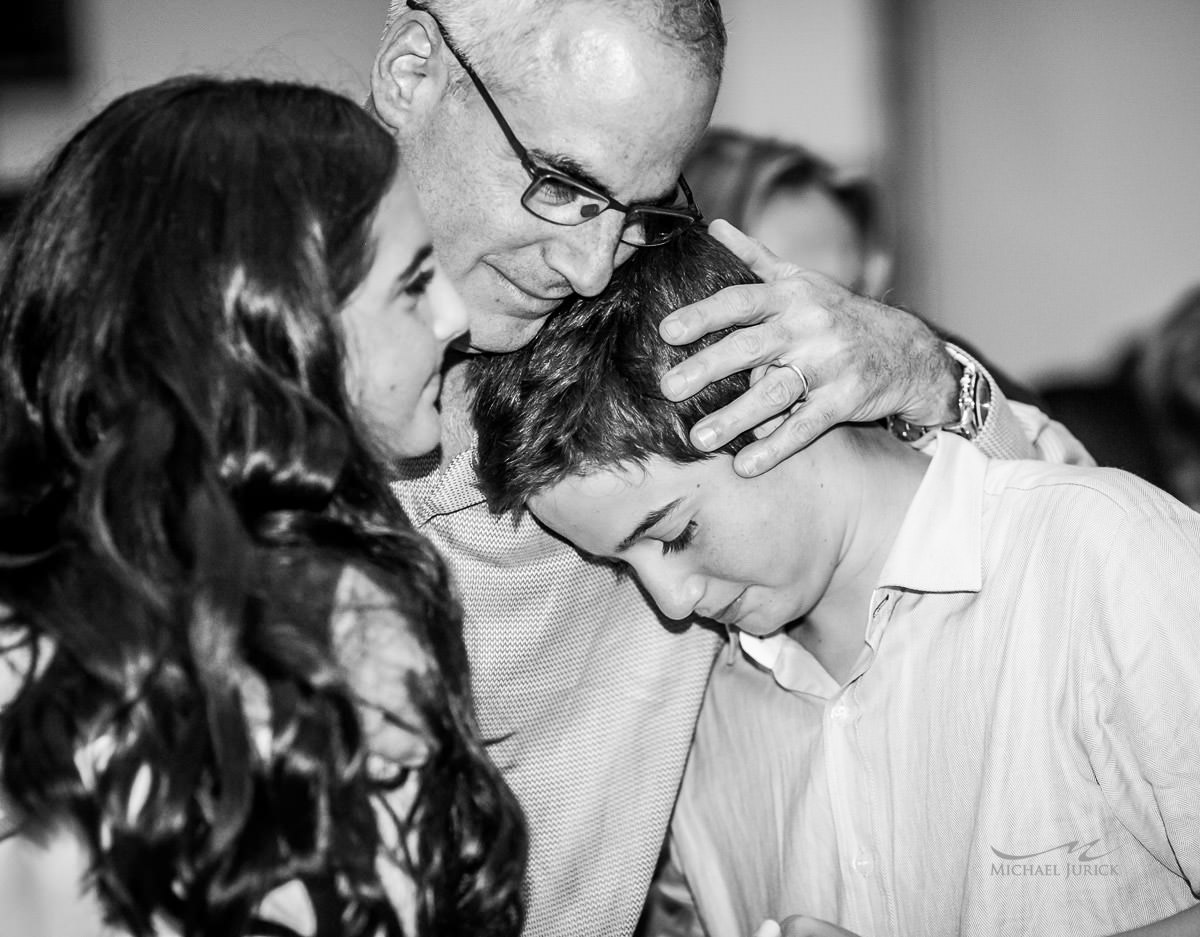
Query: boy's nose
(673,591)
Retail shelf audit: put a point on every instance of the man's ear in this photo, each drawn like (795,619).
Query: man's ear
(410,73)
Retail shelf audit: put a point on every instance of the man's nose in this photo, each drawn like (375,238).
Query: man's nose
(585,255)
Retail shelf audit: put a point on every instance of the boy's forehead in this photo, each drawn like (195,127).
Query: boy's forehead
(598,509)
(582,497)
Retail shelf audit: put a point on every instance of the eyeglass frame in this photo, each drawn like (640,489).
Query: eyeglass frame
(539,174)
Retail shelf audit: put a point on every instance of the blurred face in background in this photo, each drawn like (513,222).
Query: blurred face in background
(808,227)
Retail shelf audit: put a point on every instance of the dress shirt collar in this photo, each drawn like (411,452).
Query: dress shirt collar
(940,544)
(939,548)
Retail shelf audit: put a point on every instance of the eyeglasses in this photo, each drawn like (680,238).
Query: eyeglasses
(561,199)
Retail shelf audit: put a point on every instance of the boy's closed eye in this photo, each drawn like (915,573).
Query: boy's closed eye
(680,541)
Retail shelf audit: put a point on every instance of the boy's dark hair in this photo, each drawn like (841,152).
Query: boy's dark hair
(584,394)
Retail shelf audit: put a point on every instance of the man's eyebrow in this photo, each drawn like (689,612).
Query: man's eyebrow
(402,279)
(647,522)
(570,166)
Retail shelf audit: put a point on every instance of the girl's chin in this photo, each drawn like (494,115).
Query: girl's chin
(420,436)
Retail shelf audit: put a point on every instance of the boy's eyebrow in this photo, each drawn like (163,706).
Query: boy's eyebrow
(647,522)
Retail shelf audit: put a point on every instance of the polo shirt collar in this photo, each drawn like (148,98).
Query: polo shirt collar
(428,491)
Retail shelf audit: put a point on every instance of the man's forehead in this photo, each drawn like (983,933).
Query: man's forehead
(614,107)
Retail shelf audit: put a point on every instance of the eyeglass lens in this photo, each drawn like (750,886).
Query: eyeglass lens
(560,201)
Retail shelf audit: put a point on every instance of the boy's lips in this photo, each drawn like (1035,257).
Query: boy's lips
(729,614)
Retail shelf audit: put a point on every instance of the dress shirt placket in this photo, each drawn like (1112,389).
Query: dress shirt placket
(854,794)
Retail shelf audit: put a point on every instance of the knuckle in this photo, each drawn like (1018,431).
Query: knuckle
(808,425)
(713,430)
(776,390)
(747,342)
(779,335)
(806,284)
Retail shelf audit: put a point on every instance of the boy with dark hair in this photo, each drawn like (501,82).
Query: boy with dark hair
(992,712)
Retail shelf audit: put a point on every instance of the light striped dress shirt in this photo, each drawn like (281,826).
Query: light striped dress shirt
(1018,748)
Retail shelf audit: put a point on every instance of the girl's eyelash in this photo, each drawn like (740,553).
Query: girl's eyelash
(682,541)
(417,286)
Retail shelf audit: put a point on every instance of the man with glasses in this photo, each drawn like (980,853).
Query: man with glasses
(545,138)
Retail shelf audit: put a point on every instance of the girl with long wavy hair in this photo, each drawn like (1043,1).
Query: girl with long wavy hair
(229,668)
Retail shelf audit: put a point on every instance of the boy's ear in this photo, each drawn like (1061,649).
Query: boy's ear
(410,75)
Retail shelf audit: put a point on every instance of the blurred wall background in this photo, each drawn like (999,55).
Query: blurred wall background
(1041,158)
(1045,156)
(119,45)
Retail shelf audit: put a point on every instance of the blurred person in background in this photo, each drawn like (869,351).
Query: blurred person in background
(233,691)
(798,204)
(825,220)
(1168,384)
(1143,413)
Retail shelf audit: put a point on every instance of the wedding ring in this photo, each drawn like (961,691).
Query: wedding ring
(800,374)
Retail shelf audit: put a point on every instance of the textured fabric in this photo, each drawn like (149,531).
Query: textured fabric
(590,697)
(1018,431)
(1018,748)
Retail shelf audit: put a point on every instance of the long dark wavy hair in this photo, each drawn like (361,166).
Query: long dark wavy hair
(181,482)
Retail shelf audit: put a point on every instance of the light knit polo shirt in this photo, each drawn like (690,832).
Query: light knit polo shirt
(1018,748)
(592,699)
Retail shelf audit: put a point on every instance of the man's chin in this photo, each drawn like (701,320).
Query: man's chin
(500,337)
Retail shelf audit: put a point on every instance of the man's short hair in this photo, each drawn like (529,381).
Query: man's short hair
(487,32)
(584,394)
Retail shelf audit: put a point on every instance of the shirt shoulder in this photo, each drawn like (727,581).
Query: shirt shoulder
(1089,493)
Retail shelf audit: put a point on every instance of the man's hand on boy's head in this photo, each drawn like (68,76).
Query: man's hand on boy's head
(862,360)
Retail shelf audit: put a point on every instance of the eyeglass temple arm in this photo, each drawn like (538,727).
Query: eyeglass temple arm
(518,147)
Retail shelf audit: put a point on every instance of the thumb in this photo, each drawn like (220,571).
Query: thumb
(753,253)
(768,929)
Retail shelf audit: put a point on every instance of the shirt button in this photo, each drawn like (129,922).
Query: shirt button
(864,864)
(840,713)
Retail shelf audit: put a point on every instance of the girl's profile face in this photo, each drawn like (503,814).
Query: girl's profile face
(398,323)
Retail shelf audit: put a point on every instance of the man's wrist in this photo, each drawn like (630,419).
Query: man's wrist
(967,396)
